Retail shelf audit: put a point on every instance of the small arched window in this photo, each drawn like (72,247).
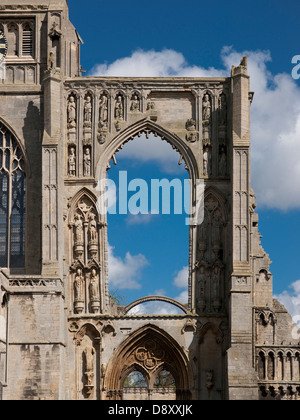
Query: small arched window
(135,379)
(12,201)
(27,41)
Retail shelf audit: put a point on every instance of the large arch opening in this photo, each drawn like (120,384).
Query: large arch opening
(151,364)
(147,231)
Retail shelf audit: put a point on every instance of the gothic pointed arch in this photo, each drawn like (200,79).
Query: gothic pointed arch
(147,126)
(149,350)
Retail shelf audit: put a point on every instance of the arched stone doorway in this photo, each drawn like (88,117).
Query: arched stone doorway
(154,363)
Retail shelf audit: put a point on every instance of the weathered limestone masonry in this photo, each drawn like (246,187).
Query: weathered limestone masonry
(61,336)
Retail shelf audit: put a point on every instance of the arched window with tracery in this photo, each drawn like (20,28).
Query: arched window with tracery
(12,201)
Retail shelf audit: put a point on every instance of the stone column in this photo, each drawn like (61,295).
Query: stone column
(51,152)
(242,378)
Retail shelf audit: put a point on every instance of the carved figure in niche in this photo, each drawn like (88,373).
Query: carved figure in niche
(222,162)
(88,112)
(206,161)
(94,286)
(150,106)
(78,230)
(119,109)
(51,61)
(89,354)
(72,162)
(135,103)
(93,228)
(78,286)
(71,112)
(206,113)
(103,111)
(87,162)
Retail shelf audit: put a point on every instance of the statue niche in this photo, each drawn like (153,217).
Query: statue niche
(85,268)
(210,261)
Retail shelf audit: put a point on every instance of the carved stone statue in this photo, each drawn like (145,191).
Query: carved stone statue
(135,103)
(92,228)
(78,229)
(119,109)
(71,112)
(87,162)
(78,291)
(206,113)
(51,61)
(94,287)
(72,162)
(88,112)
(103,111)
(89,355)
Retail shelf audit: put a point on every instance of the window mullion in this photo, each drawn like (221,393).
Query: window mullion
(9,203)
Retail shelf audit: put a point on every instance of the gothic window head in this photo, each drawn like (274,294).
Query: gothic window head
(12,201)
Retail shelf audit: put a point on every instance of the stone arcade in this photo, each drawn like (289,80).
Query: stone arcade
(61,337)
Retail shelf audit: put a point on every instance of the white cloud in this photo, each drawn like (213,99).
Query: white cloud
(291,300)
(125,273)
(152,63)
(181,279)
(153,149)
(275,116)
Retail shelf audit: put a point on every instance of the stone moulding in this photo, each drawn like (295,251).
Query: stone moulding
(35,282)
(154,298)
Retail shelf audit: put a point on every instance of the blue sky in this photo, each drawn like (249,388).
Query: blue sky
(196,38)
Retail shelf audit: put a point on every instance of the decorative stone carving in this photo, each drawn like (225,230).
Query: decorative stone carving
(119,108)
(72,162)
(94,291)
(88,362)
(135,104)
(206,119)
(71,113)
(192,137)
(87,161)
(190,125)
(78,291)
(103,118)
(85,242)
(150,355)
(88,112)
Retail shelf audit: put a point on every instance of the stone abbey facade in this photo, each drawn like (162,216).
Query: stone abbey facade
(61,335)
